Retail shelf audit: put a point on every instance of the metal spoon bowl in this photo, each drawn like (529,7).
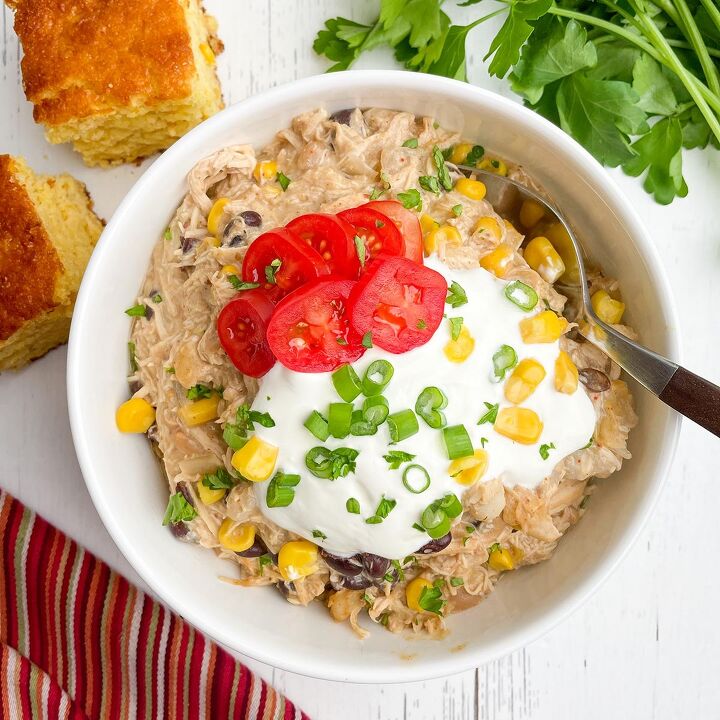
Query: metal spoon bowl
(687,393)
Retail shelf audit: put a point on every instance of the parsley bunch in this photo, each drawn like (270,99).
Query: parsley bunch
(633,81)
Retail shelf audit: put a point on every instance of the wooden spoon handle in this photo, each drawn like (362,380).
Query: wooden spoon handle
(695,398)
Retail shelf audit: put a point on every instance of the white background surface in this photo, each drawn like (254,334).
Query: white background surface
(646,646)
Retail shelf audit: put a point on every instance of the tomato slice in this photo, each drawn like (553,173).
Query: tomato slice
(332,237)
(242,326)
(400,302)
(379,235)
(310,330)
(281,262)
(406,222)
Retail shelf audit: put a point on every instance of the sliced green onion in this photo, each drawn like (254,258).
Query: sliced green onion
(318,461)
(402,425)
(359,425)
(435,521)
(457,442)
(375,409)
(429,404)
(503,360)
(418,527)
(347,383)
(451,506)
(522,295)
(280,491)
(416,479)
(339,418)
(377,377)
(234,436)
(317,425)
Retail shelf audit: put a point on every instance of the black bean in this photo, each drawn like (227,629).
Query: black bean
(594,380)
(235,233)
(179,529)
(187,244)
(342,116)
(251,218)
(257,549)
(375,566)
(149,312)
(360,582)
(135,385)
(350,566)
(182,487)
(285,588)
(435,546)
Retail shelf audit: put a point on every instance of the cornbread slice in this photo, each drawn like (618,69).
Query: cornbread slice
(120,79)
(47,232)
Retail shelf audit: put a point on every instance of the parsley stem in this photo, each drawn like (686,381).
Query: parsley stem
(687,46)
(713,11)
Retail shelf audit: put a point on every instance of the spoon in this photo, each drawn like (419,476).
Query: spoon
(687,393)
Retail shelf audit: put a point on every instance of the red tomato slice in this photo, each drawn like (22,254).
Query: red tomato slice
(406,222)
(310,329)
(379,235)
(242,326)
(330,236)
(283,257)
(400,302)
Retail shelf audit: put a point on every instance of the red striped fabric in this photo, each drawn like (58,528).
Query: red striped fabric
(77,640)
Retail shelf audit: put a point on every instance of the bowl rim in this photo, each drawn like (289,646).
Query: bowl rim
(448,664)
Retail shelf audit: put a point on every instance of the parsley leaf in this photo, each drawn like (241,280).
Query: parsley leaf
(219,480)
(178,510)
(411,199)
(429,183)
(456,324)
(456,295)
(360,249)
(199,391)
(264,560)
(156,298)
(137,311)
(319,534)
(655,94)
(284,180)
(410,143)
(420,324)
(491,415)
(442,172)
(545,450)
(431,599)
(271,270)
(367,341)
(353,506)
(396,458)
(376,193)
(384,508)
(457,210)
(132,358)
(238,284)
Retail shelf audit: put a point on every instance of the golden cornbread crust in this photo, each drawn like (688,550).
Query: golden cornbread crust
(47,233)
(121,79)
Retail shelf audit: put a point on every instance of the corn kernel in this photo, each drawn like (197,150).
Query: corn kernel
(135,416)
(523,381)
(428,224)
(236,537)
(229,270)
(606,308)
(519,424)
(265,170)
(297,558)
(531,213)
(209,495)
(497,261)
(414,590)
(460,152)
(207,53)
(500,559)
(468,470)
(441,237)
(215,213)
(545,327)
(493,165)
(473,189)
(200,411)
(566,374)
(255,460)
(460,350)
(542,257)
(489,224)
(558,236)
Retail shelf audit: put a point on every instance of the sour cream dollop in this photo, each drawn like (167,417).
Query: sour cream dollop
(319,505)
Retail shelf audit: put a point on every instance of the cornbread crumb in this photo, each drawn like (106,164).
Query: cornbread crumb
(47,232)
(121,80)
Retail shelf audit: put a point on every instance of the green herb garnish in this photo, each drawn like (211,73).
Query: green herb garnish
(360,249)
(491,415)
(156,298)
(199,391)
(283,180)
(353,506)
(367,340)
(456,295)
(545,450)
(331,464)
(395,458)
(178,510)
(319,534)
(137,311)
(431,600)
(443,173)
(218,480)
(410,143)
(238,284)
(456,324)
(271,270)
(457,210)
(132,358)
(411,199)
(429,183)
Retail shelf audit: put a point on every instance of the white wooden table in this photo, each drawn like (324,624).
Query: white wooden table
(646,646)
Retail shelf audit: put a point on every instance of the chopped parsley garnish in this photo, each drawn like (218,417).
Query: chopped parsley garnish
(411,199)
(353,506)
(590,442)
(456,324)
(199,391)
(341,340)
(234,434)
(238,284)
(379,224)
(456,295)
(319,534)
(545,450)
(395,458)
(170,370)
(219,480)
(491,415)
(442,172)
(475,155)
(421,324)
(376,193)
(137,311)
(456,581)
(360,249)
(156,298)
(457,210)
(384,508)
(483,441)
(167,234)
(178,510)
(429,183)
(132,358)
(331,464)
(368,600)
(494,547)
(284,180)
(271,270)
(410,143)
(367,340)
(264,560)
(431,600)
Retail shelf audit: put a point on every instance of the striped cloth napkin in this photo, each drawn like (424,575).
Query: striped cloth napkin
(77,640)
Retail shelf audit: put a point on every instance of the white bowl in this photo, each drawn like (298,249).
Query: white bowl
(130,494)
